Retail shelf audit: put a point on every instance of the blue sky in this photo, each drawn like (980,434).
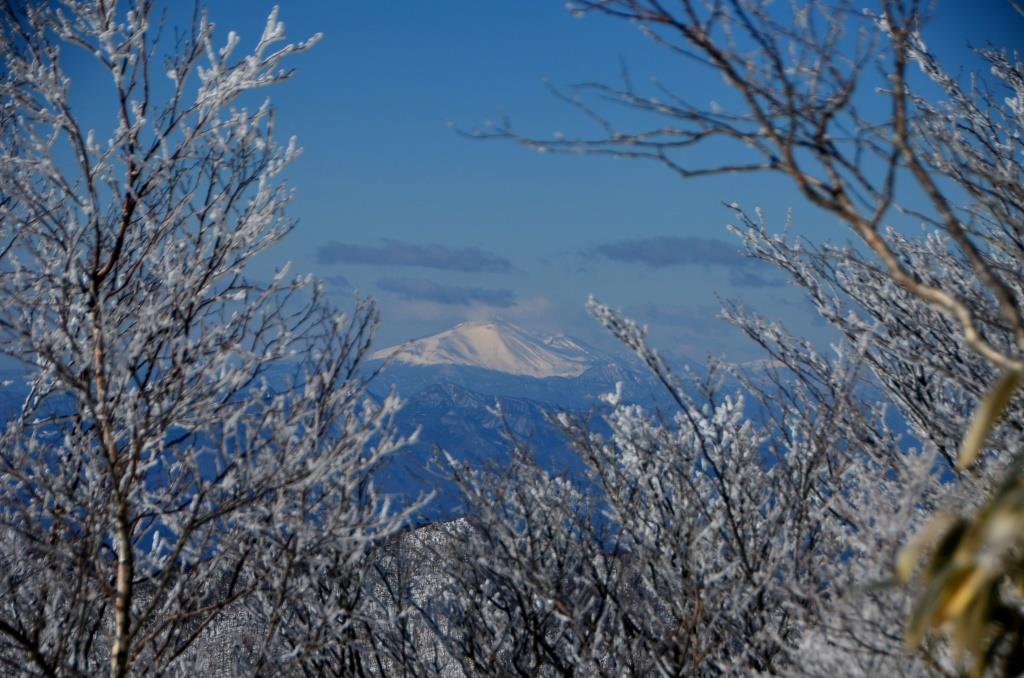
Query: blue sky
(439,228)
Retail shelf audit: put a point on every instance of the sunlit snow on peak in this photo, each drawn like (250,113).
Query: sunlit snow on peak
(495,345)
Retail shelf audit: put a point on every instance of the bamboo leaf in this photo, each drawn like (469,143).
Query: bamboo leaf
(986,416)
(940,526)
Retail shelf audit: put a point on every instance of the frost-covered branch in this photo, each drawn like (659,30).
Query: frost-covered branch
(197,446)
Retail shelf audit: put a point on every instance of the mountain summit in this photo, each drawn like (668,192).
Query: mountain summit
(495,345)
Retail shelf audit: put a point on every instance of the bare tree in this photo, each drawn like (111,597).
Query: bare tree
(728,538)
(197,446)
(853,108)
(800,74)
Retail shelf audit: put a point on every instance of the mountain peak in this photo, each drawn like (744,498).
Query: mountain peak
(495,345)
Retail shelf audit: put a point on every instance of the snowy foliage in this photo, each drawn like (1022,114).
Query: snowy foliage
(196,443)
(764,524)
(717,541)
(187,488)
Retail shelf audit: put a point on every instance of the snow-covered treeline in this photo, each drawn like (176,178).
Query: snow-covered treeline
(188,487)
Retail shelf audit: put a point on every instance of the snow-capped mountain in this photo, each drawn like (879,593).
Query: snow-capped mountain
(499,346)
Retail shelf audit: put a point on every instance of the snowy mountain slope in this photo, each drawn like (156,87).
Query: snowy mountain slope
(496,346)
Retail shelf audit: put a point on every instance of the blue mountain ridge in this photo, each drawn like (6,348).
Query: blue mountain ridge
(453,408)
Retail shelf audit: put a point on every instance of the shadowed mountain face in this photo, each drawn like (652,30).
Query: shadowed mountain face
(574,393)
(463,423)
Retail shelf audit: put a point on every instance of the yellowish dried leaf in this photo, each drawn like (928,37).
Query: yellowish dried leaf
(987,415)
(910,554)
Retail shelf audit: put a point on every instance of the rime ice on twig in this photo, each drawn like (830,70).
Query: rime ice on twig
(197,446)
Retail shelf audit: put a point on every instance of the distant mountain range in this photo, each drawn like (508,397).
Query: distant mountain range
(451,382)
